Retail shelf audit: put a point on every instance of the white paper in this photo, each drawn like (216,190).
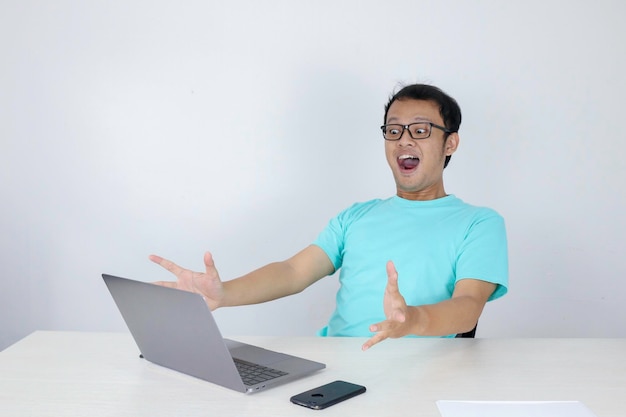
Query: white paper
(513,409)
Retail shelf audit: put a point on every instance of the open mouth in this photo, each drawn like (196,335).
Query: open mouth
(408,163)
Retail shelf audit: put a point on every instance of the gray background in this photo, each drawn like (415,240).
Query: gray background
(242,127)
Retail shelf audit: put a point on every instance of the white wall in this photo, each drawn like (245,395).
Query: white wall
(138,127)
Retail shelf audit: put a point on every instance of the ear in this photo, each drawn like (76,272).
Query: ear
(452,143)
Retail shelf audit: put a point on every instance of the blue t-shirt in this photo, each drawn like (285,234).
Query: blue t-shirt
(433,244)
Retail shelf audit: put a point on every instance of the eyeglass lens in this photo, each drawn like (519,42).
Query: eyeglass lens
(416,130)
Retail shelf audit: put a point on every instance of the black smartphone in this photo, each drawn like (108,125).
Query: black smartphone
(327,395)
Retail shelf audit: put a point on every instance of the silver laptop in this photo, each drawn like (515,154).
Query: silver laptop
(176,329)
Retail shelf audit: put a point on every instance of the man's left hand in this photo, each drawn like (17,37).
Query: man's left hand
(397,312)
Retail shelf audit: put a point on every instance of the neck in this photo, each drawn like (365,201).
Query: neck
(422,195)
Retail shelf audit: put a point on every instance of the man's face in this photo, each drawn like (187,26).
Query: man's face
(417,164)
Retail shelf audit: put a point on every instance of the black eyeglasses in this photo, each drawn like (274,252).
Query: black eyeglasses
(421,130)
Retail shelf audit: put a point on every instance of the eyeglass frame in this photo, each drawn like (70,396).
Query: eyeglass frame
(406,127)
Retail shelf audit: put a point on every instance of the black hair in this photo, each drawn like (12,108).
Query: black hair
(448,107)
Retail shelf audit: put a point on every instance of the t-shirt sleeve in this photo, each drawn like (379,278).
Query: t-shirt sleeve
(484,254)
(331,240)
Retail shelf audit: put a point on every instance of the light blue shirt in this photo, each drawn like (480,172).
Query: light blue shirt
(433,244)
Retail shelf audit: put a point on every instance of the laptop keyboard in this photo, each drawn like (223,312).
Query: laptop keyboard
(252,374)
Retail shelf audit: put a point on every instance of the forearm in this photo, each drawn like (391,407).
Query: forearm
(456,315)
(278,279)
(268,283)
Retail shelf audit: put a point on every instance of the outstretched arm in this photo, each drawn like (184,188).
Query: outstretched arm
(457,315)
(272,281)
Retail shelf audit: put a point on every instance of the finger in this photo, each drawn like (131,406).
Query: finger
(390,325)
(209,264)
(392,278)
(376,327)
(155,258)
(168,284)
(169,265)
(373,340)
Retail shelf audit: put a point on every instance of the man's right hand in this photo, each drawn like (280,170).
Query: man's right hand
(208,284)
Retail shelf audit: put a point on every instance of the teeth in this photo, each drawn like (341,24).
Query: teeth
(407,157)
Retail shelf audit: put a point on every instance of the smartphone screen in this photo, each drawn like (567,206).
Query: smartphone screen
(327,395)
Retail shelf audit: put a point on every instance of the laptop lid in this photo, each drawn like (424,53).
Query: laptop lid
(176,329)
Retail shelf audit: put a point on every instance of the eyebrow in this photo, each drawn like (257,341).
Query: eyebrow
(416,119)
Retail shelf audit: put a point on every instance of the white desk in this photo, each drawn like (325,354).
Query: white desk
(100,374)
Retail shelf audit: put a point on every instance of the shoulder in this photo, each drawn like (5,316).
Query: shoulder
(360,208)
(477,213)
(356,212)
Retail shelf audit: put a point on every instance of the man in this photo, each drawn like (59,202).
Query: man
(420,263)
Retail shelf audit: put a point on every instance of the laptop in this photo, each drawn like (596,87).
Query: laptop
(176,329)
